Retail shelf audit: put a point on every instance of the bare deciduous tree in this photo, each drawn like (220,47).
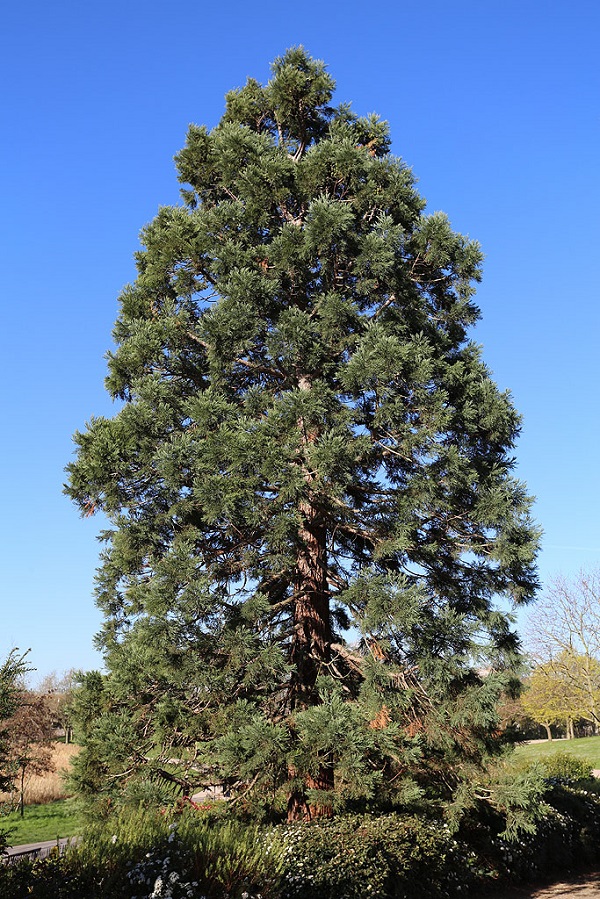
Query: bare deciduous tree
(566,625)
(58,690)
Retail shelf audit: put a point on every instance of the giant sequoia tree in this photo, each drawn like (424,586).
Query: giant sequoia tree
(309,480)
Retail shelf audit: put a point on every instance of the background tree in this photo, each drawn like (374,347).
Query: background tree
(30,740)
(558,691)
(545,698)
(513,719)
(563,632)
(58,690)
(11,671)
(309,483)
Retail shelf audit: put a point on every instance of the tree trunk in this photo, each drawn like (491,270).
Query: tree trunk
(570,729)
(548,731)
(22,796)
(311,646)
(311,641)
(299,808)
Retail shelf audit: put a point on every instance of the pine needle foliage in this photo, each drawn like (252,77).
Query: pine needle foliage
(12,670)
(308,482)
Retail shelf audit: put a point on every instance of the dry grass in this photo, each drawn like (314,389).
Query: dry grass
(49,787)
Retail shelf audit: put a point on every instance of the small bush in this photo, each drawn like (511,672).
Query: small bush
(387,856)
(566,767)
(148,855)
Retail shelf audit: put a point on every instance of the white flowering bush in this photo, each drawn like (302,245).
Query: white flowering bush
(190,856)
(193,857)
(389,856)
(157,875)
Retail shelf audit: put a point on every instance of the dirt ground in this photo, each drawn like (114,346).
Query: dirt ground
(583,886)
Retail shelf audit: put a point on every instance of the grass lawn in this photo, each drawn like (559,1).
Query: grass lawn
(584,747)
(42,822)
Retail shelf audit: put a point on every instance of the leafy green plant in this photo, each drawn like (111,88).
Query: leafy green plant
(230,858)
(187,854)
(567,767)
(389,856)
(181,851)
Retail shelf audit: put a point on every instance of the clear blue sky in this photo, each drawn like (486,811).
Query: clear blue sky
(494,103)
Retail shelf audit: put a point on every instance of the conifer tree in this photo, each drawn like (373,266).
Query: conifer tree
(12,670)
(309,479)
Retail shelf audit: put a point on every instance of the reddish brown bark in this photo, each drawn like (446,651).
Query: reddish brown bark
(311,640)
(299,808)
(311,645)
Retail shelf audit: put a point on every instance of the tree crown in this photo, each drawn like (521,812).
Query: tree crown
(309,484)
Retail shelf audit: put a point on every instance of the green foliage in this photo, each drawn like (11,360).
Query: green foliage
(508,793)
(385,856)
(49,878)
(11,670)
(308,484)
(146,854)
(563,689)
(142,853)
(566,766)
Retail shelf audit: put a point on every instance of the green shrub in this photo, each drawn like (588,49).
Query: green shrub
(192,855)
(387,856)
(144,853)
(49,878)
(189,851)
(566,837)
(566,767)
